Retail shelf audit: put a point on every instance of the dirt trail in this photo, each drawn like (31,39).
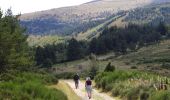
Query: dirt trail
(82,93)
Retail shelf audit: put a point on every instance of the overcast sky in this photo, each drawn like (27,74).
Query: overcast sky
(26,6)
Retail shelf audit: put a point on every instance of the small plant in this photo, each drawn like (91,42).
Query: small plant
(109,68)
(133,67)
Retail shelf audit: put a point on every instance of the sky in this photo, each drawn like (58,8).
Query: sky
(27,6)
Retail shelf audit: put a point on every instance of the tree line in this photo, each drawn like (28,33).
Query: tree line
(114,39)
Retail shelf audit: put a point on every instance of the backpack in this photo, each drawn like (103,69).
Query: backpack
(76,77)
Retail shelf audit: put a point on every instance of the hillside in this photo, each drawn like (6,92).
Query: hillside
(152,58)
(76,19)
(150,14)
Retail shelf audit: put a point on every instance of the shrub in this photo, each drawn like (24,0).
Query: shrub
(133,67)
(109,68)
(66,75)
(144,96)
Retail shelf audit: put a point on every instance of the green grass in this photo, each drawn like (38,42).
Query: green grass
(30,86)
(161,95)
(93,32)
(131,85)
(67,69)
(44,40)
(64,87)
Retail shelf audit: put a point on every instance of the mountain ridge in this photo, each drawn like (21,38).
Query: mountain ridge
(76,19)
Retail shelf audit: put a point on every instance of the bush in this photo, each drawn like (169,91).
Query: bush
(66,75)
(109,68)
(133,67)
(144,96)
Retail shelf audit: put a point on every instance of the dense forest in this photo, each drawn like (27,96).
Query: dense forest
(114,39)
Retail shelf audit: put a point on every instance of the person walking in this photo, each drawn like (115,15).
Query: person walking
(88,86)
(76,80)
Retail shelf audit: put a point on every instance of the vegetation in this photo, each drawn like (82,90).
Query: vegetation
(73,25)
(118,40)
(61,52)
(64,87)
(14,51)
(38,40)
(152,14)
(122,40)
(133,84)
(33,87)
(18,78)
(109,68)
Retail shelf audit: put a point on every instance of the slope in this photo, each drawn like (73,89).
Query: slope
(76,19)
(152,58)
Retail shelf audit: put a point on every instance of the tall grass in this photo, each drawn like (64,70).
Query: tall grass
(129,84)
(30,86)
(161,95)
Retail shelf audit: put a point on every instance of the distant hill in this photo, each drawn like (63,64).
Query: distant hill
(77,19)
(152,14)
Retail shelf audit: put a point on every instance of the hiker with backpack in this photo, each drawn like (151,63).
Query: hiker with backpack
(76,80)
(88,86)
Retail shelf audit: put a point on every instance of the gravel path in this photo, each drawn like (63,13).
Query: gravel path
(82,93)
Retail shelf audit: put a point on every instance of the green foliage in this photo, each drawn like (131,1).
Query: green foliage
(94,67)
(109,68)
(47,63)
(35,41)
(128,84)
(18,79)
(160,95)
(65,75)
(152,15)
(75,49)
(120,40)
(14,51)
(29,86)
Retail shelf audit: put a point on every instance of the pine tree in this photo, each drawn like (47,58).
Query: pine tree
(74,50)
(14,50)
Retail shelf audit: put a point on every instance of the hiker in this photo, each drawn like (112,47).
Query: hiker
(76,80)
(88,86)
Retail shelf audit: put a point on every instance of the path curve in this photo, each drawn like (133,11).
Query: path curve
(82,93)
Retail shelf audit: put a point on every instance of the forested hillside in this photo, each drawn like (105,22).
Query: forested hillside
(114,39)
(76,19)
(151,14)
